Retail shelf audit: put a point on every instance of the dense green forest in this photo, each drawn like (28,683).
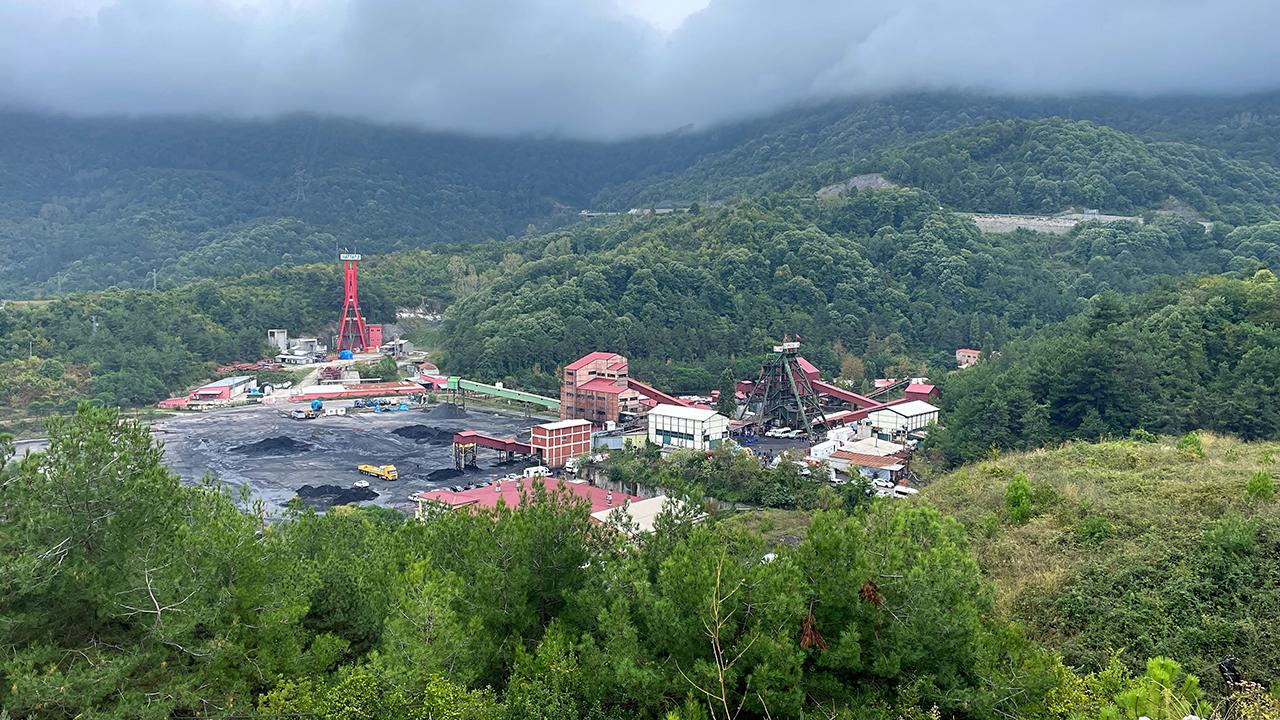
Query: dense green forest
(1045,166)
(808,148)
(878,282)
(1204,357)
(96,203)
(128,595)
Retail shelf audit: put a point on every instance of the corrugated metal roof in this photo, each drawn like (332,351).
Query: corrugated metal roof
(603,385)
(875,461)
(562,424)
(589,358)
(680,411)
(908,409)
(228,382)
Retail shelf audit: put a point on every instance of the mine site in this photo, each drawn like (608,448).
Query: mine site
(316,461)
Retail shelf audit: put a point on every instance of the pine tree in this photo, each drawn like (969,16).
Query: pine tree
(727,403)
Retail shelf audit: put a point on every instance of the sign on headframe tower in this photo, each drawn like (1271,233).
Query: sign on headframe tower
(352,334)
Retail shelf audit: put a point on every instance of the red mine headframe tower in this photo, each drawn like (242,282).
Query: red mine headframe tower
(352,333)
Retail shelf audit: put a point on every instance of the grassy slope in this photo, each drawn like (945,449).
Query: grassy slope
(1136,547)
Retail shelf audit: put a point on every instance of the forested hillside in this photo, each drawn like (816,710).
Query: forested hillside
(1046,166)
(806,149)
(92,203)
(128,595)
(96,203)
(1206,357)
(877,283)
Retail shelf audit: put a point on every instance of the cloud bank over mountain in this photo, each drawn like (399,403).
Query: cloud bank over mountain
(598,69)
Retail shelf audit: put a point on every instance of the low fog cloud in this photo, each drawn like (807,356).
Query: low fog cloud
(593,68)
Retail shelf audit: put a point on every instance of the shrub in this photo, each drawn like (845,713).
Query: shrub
(1093,531)
(1191,445)
(1017,499)
(1143,436)
(1261,486)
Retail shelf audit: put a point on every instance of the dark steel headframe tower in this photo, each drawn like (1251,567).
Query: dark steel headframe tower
(352,333)
(783,395)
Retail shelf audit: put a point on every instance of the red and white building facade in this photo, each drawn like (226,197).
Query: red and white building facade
(556,442)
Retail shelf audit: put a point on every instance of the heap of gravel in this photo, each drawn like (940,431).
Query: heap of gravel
(446,411)
(330,495)
(277,445)
(425,434)
(443,474)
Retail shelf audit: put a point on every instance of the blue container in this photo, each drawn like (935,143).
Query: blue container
(346,355)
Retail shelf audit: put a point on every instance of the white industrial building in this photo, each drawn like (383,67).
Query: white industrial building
(903,417)
(686,428)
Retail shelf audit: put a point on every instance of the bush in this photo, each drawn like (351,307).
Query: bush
(1143,436)
(1191,445)
(1017,499)
(1261,486)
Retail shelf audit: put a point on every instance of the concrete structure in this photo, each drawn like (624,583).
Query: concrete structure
(594,388)
(875,467)
(673,427)
(903,418)
(279,339)
(557,442)
(232,388)
(509,492)
(967,357)
(921,391)
(396,348)
(642,513)
(874,446)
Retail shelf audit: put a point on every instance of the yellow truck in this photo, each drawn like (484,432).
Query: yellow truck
(385,472)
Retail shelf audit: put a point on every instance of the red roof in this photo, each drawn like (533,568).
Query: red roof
(922,388)
(604,385)
(618,365)
(600,498)
(968,350)
(875,461)
(589,358)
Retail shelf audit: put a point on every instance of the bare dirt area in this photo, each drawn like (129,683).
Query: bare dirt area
(1060,224)
(280,458)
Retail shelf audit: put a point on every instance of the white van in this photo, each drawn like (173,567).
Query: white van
(902,491)
(537,471)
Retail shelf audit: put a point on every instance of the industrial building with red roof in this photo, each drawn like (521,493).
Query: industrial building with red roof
(509,492)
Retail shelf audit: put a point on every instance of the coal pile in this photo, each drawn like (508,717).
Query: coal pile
(443,474)
(277,445)
(330,495)
(424,434)
(446,411)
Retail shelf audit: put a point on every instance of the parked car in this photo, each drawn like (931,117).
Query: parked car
(537,471)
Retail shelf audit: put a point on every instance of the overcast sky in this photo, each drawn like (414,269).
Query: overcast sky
(608,68)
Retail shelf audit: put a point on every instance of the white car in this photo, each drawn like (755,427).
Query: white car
(511,476)
(793,434)
(886,484)
(360,484)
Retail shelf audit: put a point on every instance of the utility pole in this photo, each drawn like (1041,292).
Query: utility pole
(153,279)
